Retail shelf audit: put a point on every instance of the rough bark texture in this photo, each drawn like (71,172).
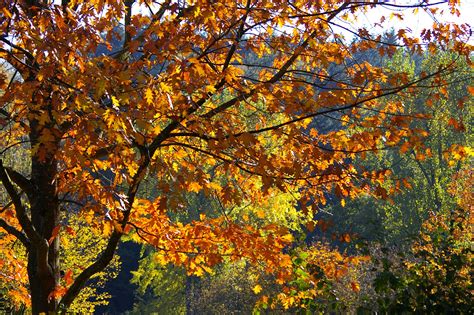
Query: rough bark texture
(43,258)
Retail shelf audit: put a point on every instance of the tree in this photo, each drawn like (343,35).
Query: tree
(422,174)
(435,274)
(440,277)
(173,103)
(76,251)
(168,289)
(415,244)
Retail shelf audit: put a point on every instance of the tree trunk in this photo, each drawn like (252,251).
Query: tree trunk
(43,259)
(192,294)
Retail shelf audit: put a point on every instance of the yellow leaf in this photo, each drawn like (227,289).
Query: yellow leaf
(115,102)
(199,272)
(107,229)
(160,259)
(149,96)
(287,237)
(40,76)
(194,187)
(260,214)
(7,13)
(165,87)
(257,289)
(206,268)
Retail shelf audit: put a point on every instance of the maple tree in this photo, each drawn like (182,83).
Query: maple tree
(75,252)
(204,96)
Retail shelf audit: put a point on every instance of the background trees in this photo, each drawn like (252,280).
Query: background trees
(211,97)
(409,236)
(425,173)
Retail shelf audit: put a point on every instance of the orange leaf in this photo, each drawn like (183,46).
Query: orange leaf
(346,238)
(57,293)
(54,234)
(68,277)
(7,13)
(355,286)
(406,183)
(405,147)
(470,89)
(310,226)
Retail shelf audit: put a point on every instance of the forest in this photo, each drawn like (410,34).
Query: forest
(236,157)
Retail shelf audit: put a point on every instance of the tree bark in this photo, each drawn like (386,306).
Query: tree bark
(43,257)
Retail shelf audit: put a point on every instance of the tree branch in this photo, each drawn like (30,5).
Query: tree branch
(127,21)
(20,210)
(108,254)
(21,49)
(87,273)
(22,182)
(349,106)
(279,74)
(13,231)
(18,64)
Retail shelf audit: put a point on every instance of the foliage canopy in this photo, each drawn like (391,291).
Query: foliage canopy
(213,97)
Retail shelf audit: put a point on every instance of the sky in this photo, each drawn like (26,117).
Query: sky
(421,20)
(416,22)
